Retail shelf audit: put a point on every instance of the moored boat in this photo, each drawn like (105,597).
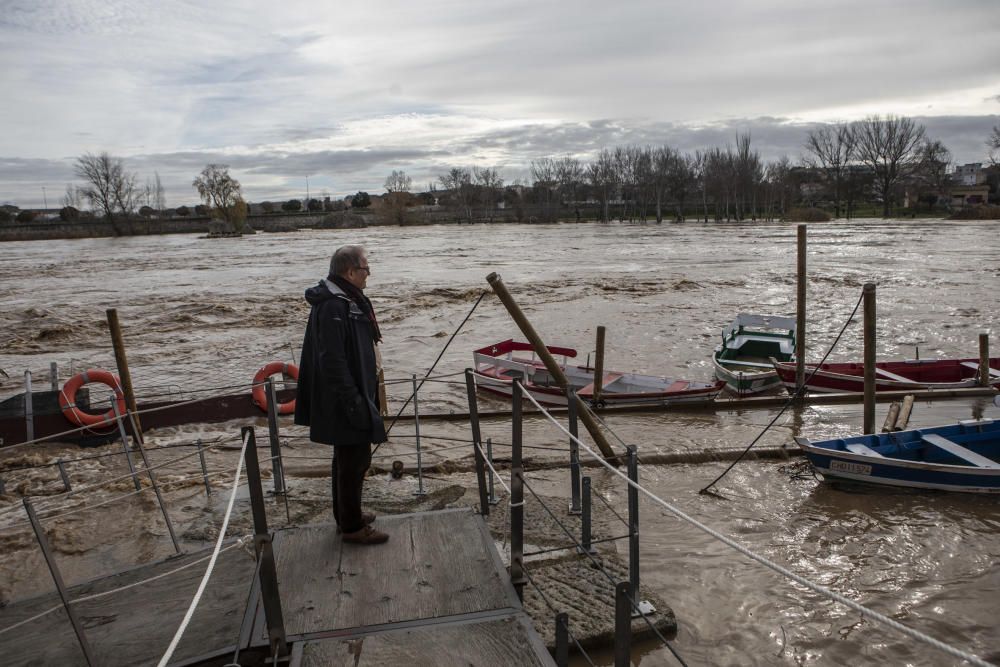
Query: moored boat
(909,375)
(498,365)
(742,360)
(955,457)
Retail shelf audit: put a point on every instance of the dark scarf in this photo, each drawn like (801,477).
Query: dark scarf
(363,302)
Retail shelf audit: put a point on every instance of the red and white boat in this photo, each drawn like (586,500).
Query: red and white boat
(909,375)
(498,364)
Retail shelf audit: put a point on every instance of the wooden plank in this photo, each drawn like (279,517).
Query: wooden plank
(507,640)
(892,376)
(135,626)
(435,564)
(858,448)
(994,373)
(959,451)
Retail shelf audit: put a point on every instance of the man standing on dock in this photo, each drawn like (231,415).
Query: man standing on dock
(337,394)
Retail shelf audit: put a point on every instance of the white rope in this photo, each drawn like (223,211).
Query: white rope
(493,470)
(211,564)
(240,542)
(822,590)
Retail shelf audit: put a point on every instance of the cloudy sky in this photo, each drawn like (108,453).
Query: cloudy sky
(341,93)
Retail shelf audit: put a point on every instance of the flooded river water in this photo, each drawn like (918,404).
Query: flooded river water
(208,313)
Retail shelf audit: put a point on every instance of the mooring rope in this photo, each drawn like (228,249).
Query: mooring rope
(791,399)
(211,564)
(816,588)
(434,365)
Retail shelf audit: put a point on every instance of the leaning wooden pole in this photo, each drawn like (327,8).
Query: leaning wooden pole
(800,315)
(123,373)
(550,364)
(869,328)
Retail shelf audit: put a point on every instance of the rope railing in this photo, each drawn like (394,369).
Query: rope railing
(212,561)
(816,588)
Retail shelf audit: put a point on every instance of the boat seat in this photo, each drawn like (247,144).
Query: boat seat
(994,373)
(892,376)
(958,450)
(678,385)
(864,450)
(608,379)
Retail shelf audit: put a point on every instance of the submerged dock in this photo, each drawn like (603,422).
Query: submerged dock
(436,593)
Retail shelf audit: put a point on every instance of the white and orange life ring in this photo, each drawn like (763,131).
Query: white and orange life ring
(67,398)
(259,397)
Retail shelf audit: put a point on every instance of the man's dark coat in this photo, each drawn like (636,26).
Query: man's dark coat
(338,377)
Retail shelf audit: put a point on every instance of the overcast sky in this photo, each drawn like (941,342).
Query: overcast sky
(341,93)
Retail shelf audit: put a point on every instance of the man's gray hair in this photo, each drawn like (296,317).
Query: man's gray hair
(347,257)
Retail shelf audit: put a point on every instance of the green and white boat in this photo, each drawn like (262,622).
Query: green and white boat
(743,358)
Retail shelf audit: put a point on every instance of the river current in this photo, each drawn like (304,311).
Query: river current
(209,312)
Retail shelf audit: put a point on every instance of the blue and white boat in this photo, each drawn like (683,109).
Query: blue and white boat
(956,457)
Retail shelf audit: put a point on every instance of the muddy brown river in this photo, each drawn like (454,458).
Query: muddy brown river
(201,313)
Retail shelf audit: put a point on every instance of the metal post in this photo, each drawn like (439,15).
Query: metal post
(585,546)
(489,457)
(550,364)
(574,455)
(121,431)
(204,468)
(265,554)
(562,639)
(633,523)
(54,376)
(156,490)
(516,494)
(123,372)
(470,387)
(29,416)
(623,626)
(277,469)
(800,313)
(984,359)
(416,426)
(869,334)
(43,542)
(65,477)
(599,366)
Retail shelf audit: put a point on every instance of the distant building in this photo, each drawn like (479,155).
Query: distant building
(969,174)
(969,195)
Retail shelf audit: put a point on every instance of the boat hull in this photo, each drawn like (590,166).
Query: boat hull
(916,375)
(872,461)
(746,382)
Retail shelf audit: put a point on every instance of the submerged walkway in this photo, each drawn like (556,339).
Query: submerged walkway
(436,593)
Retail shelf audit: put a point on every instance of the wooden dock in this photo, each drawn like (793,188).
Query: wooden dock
(436,593)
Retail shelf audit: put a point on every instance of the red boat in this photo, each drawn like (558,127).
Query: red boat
(909,375)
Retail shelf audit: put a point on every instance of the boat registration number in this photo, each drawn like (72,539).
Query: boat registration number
(847,466)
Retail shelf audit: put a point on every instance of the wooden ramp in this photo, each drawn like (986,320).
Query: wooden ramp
(436,594)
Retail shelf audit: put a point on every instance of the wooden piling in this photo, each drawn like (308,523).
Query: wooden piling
(123,372)
(599,364)
(891,416)
(869,357)
(904,414)
(550,364)
(984,359)
(800,317)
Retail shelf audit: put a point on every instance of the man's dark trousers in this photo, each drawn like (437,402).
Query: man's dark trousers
(350,462)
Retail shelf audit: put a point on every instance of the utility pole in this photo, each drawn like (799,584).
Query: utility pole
(45,199)
(307,192)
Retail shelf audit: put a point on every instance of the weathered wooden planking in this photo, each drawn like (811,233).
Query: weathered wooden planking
(504,641)
(435,564)
(135,626)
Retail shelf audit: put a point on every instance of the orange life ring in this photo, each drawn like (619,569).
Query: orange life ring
(259,399)
(67,398)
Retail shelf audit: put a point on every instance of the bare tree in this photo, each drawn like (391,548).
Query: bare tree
(888,146)
(543,176)
(459,182)
(569,177)
(398,181)
(681,181)
(994,143)
(931,171)
(108,187)
(159,197)
(601,176)
(661,159)
(490,186)
(73,196)
(222,194)
(832,149)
